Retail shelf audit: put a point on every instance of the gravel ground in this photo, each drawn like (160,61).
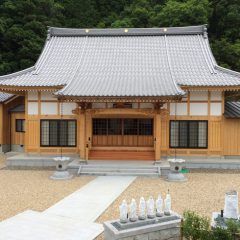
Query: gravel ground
(32,189)
(2,160)
(203,193)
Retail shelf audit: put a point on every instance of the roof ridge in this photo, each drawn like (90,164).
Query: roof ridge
(179,90)
(77,68)
(67,32)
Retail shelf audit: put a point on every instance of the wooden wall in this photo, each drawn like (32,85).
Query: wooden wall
(44,106)
(5,133)
(190,109)
(212,112)
(231,137)
(17,138)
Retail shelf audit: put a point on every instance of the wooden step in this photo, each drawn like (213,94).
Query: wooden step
(121,155)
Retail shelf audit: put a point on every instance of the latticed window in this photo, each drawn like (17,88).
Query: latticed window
(20,125)
(188,134)
(119,126)
(58,133)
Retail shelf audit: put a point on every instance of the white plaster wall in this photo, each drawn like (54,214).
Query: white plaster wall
(67,108)
(99,105)
(49,108)
(216,109)
(135,105)
(199,96)
(33,95)
(47,96)
(216,95)
(181,109)
(199,109)
(109,105)
(146,105)
(32,108)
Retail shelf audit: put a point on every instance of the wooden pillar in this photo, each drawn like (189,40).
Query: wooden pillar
(81,133)
(157,136)
(26,142)
(88,135)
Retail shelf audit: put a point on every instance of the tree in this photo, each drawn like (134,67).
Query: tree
(23,26)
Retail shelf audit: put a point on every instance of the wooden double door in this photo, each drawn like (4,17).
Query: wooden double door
(132,132)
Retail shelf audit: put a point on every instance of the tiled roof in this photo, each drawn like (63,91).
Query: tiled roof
(5,96)
(125,62)
(232,110)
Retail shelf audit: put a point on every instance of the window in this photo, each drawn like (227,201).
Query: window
(20,125)
(118,126)
(188,134)
(58,133)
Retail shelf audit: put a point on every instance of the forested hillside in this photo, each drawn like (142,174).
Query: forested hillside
(23,23)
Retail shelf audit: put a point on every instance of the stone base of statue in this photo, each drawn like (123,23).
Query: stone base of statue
(141,217)
(151,216)
(175,174)
(61,172)
(164,228)
(61,175)
(159,214)
(167,213)
(133,219)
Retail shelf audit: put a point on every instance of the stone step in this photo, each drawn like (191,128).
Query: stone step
(31,225)
(119,173)
(122,166)
(101,169)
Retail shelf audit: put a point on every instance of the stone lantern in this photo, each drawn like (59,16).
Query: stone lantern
(61,172)
(175,174)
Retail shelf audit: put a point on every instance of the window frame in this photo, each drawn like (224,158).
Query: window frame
(22,130)
(58,132)
(188,134)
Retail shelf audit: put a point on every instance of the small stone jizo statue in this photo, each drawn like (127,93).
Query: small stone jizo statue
(123,208)
(159,206)
(167,204)
(142,209)
(133,211)
(150,207)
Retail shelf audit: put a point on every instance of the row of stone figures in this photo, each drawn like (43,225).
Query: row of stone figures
(146,209)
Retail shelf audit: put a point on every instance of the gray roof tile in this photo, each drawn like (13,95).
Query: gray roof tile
(112,62)
(5,96)
(232,109)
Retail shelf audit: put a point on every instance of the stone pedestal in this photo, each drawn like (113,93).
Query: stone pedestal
(159,228)
(175,174)
(61,172)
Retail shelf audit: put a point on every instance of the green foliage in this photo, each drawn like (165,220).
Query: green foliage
(221,234)
(196,227)
(23,23)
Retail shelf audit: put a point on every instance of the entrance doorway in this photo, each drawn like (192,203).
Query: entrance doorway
(128,132)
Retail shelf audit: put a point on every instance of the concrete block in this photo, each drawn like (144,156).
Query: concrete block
(141,237)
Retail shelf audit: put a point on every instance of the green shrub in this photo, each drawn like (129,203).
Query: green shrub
(196,227)
(221,234)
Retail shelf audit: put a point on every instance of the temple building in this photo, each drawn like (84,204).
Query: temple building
(125,94)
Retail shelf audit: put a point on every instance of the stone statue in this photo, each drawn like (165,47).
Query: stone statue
(159,206)
(167,204)
(133,211)
(150,208)
(123,208)
(142,209)
(231,205)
